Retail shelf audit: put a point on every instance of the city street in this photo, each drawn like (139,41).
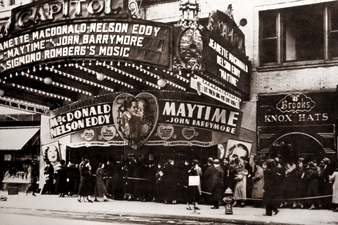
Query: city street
(29,217)
(69,209)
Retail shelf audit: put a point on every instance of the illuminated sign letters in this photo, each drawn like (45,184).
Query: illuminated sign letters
(204,87)
(123,40)
(200,116)
(80,119)
(64,29)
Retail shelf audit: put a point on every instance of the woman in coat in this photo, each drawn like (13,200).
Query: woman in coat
(85,181)
(100,187)
(33,177)
(301,183)
(271,184)
(258,183)
(240,188)
(334,178)
(313,183)
(290,185)
(49,176)
(61,181)
(194,192)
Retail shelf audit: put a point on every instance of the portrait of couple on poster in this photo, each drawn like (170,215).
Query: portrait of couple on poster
(135,119)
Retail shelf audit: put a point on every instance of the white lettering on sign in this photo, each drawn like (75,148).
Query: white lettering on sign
(202,116)
(301,117)
(80,119)
(227,55)
(102,39)
(215,92)
(230,66)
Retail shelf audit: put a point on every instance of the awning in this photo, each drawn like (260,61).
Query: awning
(15,138)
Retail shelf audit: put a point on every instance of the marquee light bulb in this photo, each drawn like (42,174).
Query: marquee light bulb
(48,81)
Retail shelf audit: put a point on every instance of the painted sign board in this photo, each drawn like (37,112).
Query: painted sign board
(296,109)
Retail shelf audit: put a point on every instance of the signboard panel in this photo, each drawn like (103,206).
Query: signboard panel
(138,116)
(200,115)
(227,65)
(46,12)
(296,109)
(108,40)
(204,87)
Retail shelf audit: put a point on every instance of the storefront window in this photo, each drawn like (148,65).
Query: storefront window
(18,167)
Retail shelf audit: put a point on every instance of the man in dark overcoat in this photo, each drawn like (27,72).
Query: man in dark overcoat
(208,181)
(109,170)
(217,191)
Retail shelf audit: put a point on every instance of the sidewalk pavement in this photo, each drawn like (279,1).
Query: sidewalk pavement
(246,215)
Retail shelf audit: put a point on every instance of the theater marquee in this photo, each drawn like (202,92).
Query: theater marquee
(53,36)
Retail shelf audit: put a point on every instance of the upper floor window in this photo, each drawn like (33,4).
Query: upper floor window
(302,33)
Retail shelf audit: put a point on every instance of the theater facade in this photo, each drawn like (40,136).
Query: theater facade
(113,86)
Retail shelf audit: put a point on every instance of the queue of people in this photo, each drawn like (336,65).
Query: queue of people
(270,183)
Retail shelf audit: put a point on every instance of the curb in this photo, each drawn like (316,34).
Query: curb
(160,216)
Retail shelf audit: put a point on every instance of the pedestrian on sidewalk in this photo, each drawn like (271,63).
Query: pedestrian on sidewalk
(49,176)
(100,188)
(258,184)
(159,185)
(270,187)
(208,181)
(61,180)
(334,179)
(34,178)
(313,184)
(240,188)
(118,181)
(72,178)
(194,192)
(109,172)
(85,181)
(217,191)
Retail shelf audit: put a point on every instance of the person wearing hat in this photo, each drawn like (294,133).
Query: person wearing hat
(325,188)
(334,179)
(217,191)
(194,192)
(313,183)
(270,186)
(258,183)
(301,182)
(208,181)
(240,188)
(85,182)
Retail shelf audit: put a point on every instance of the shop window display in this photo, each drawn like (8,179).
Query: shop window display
(17,171)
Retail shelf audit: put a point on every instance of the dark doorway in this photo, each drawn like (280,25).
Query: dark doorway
(290,147)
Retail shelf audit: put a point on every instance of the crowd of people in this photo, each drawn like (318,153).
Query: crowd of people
(271,183)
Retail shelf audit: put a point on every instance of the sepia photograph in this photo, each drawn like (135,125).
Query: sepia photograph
(168,112)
